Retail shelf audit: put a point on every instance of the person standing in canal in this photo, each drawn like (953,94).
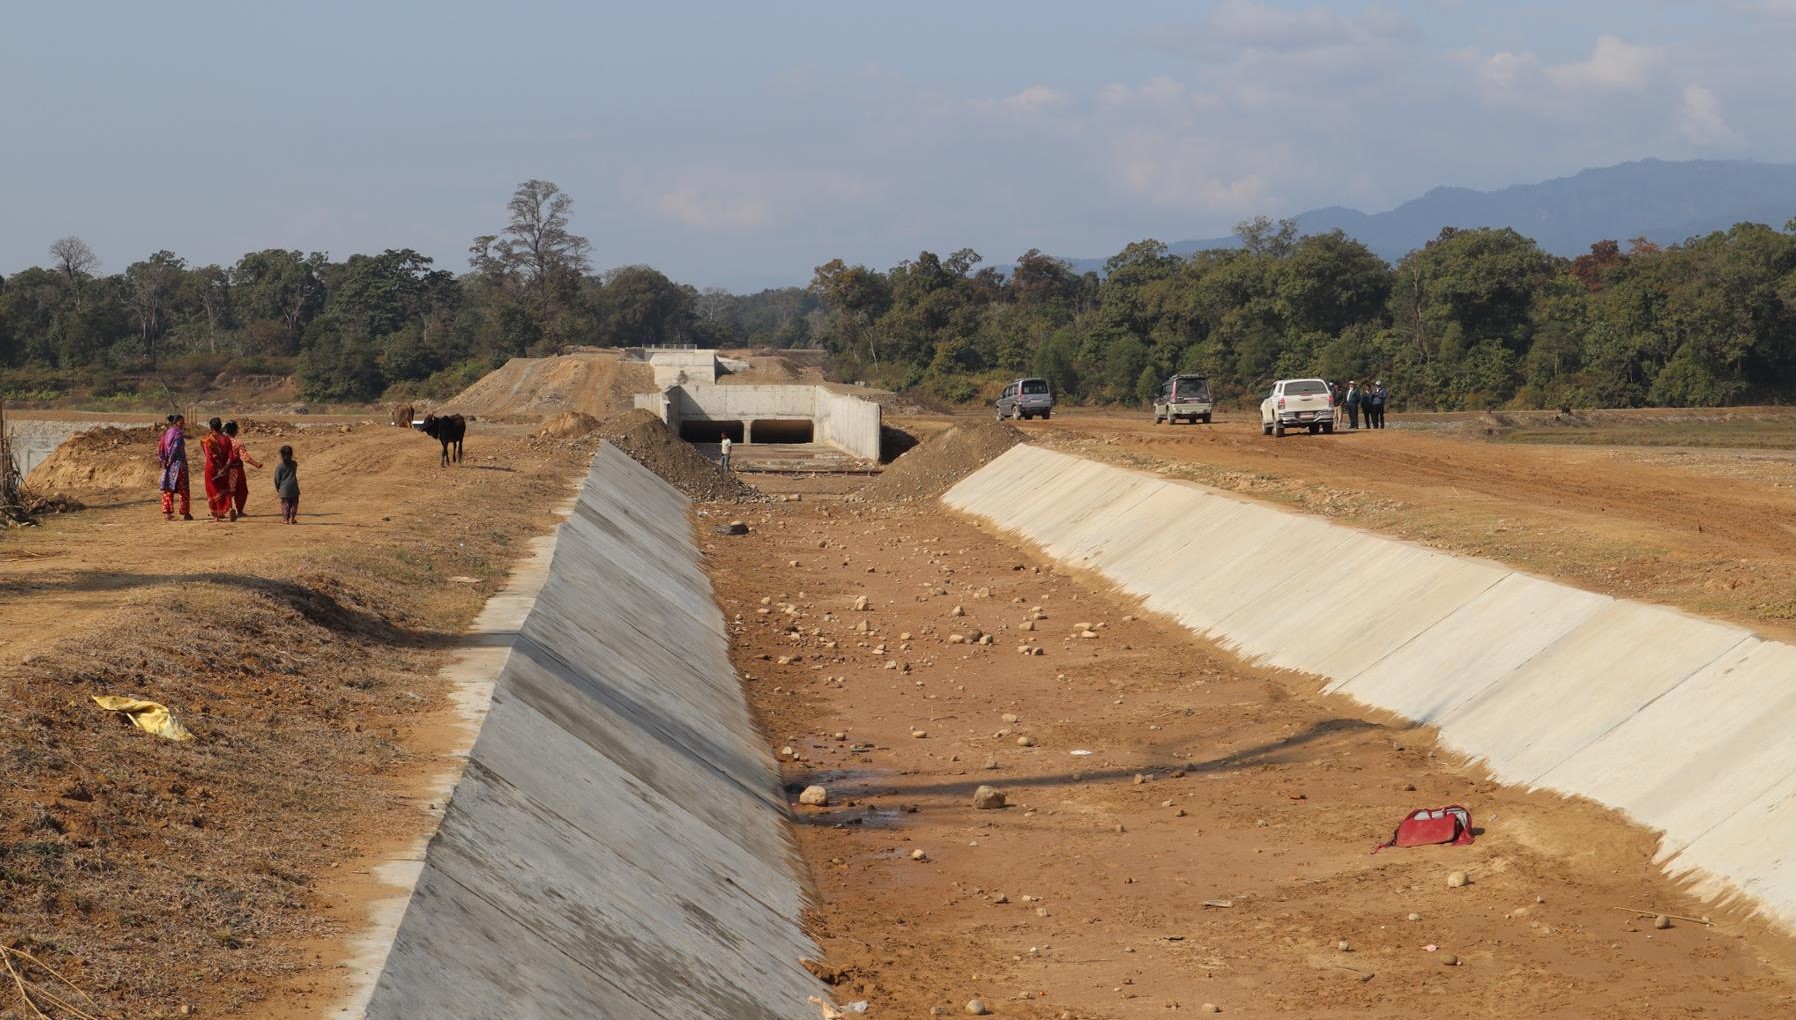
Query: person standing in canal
(171,451)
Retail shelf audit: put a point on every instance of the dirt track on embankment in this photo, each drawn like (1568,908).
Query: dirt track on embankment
(1711,530)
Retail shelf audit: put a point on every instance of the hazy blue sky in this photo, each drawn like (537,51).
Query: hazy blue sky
(740,144)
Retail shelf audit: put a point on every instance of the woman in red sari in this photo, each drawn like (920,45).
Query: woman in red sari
(238,479)
(218,458)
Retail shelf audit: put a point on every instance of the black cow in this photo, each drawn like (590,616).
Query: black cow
(448,431)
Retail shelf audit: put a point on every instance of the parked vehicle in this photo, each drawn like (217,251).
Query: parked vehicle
(1297,404)
(1184,396)
(1025,399)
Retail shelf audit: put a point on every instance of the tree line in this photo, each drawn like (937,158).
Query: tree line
(391,324)
(1474,318)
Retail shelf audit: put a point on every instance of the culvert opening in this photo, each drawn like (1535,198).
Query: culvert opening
(782,430)
(708,430)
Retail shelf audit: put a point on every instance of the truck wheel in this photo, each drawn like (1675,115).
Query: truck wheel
(1045,415)
(1315,429)
(1278,429)
(1328,430)
(1206,419)
(1265,429)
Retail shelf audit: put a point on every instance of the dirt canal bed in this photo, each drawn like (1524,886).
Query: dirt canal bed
(1181,829)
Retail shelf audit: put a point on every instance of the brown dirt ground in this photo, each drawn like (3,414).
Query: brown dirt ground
(1207,781)
(599,384)
(1711,531)
(223,874)
(941,460)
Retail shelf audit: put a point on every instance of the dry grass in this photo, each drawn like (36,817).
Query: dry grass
(155,874)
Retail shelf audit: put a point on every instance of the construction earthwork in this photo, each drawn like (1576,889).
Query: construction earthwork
(1075,738)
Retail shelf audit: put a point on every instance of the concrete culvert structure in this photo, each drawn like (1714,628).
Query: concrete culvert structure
(782,430)
(708,430)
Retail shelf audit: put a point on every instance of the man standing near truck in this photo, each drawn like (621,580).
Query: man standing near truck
(1375,416)
(1352,404)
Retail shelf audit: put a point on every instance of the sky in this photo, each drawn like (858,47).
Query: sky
(741,145)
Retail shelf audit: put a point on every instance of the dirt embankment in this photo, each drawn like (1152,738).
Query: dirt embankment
(652,444)
(599,384)
(938,462)
(110,459)
(220,874)
(1706,530)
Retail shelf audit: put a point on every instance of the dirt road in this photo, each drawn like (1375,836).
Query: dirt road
(1711,531)
(1181,830)
(222,875)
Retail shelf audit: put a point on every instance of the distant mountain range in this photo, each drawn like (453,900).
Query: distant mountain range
(1665,202)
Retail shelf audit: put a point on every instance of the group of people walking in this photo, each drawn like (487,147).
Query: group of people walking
(226,477)
(1361,401)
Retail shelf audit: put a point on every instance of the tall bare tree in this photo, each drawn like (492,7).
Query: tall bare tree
(73,257)
(536,243)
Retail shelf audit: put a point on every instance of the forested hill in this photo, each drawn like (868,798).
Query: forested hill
(1664,202)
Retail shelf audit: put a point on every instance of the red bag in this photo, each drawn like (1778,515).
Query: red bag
(1428,826)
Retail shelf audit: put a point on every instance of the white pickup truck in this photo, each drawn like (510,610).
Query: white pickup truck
(1298,404)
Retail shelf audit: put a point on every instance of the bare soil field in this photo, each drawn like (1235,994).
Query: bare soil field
(1674,519)
(1181,831)
(220,876)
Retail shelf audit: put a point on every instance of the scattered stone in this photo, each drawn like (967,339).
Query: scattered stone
(1139,779)
(1449,960)
(1025,741)
(1661,922)
(986,798)
(1028,625)
(1211,1007)
(732,528)
(1415,917)
(977,1007)
(991,763)
(1088,635)
(860,603)
(815,796)
(1457,880)
(918,855)
(1343,946)
(919,734)
(1011,717)
(958,611)
(957,639)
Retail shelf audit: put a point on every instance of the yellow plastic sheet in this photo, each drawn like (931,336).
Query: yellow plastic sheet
(146,715)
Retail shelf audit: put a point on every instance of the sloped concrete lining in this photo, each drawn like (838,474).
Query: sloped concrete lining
(617,845)
(1681,722)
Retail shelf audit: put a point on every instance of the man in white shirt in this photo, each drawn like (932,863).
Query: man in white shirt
(725,447)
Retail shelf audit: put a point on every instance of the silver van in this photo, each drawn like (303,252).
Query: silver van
(1025,399)
(1184,396)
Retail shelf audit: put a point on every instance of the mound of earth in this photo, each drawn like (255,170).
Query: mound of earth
(942,460)
(568,425)
(102,459)
(652,444)
(596,384)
